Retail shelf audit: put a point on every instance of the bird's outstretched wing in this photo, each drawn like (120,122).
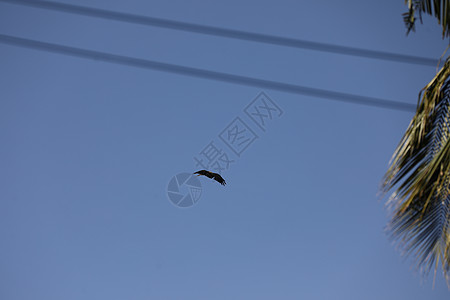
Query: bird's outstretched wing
(205,173)
(219,179)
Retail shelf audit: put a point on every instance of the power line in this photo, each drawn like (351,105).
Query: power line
(206,74)
(223,32)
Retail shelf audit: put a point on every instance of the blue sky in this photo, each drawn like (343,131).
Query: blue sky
(88,149)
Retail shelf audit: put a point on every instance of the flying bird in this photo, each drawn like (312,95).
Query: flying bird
(209,174)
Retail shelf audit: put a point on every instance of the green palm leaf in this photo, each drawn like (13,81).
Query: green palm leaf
(420,172)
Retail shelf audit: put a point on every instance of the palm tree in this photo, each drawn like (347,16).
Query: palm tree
(438,8)
(419,171)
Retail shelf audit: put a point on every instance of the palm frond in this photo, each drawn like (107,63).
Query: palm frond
(437,8)
(420,171)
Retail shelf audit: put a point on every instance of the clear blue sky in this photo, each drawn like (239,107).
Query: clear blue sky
(88,149)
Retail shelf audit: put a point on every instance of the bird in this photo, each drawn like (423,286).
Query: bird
(209,174)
